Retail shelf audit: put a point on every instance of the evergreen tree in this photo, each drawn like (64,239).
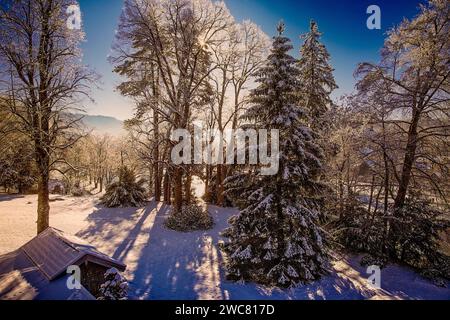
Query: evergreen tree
(115,286)
(126,192)
(275,240)
(316,75)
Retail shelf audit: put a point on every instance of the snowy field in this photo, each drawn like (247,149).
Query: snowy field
(164,264)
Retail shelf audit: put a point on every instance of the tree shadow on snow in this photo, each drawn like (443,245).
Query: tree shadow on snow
(177,265)
(114,230)
(9,197)
(166,264)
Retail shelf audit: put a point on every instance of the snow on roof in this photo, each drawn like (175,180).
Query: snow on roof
(52,251)
(14,286)
(21,279)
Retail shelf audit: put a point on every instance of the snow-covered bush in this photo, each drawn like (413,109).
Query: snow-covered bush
(439,271)
(126,192)
(436,276)
(192,217)
(359,230)
(414,234)
(115,286)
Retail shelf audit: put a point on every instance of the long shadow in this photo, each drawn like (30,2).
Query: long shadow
(9,197)
(126,246)
(405,283)
(220,216)
(336,285)
(174,265)
(165,264)
(108,225)
(177,265)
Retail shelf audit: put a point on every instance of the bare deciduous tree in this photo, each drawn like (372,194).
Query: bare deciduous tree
(414,78)
(42,78)
(175,37)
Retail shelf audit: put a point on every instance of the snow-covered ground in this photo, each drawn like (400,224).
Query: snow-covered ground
(164,264)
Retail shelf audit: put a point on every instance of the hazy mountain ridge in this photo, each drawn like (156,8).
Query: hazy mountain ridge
(103,124)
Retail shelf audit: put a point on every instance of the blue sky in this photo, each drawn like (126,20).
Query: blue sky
(343,23)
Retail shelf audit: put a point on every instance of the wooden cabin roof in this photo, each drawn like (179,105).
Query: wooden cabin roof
(52,251)
(21,279)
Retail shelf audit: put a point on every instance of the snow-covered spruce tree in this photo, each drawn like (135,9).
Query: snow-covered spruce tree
(315,75)
(126,192)
(115,286)
(275,240)
(316,84)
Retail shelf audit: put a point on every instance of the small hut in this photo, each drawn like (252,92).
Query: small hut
(38,269)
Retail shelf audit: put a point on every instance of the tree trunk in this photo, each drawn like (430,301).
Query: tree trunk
(219,180)
(372,219)
(151,188)
(43,203)
(207,178)
(408,162)
(219,167)
(157,182)
(178,189)
(372,187)
(386,199)
(377,201)
(341,196)
(187,187)
(386,184)
(101,184)
(166,187)
(156,169)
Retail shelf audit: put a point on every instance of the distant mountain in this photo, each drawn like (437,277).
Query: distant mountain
(104,125)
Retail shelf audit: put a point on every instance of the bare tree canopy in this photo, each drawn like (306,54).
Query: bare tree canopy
(42,81)
(411,86)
